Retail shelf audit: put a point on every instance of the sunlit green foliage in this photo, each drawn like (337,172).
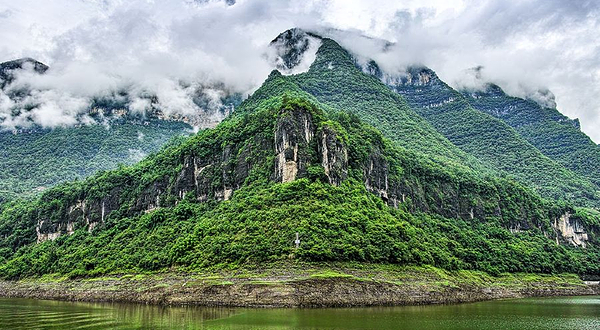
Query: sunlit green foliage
(258,224)
(35,159)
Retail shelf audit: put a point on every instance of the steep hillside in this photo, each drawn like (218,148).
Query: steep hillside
(237,194)
(484,142)
(34,158)
(334,80)
(555,135)
(489,139)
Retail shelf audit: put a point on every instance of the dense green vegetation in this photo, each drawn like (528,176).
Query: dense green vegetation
(343,223)
(491,140)
(335,82)
(555,135)
(35,159)
(469,138)
(407,196)
(336,223)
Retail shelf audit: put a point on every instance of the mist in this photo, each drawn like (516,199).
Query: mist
(172,49)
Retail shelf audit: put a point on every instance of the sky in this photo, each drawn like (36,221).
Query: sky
(150,46)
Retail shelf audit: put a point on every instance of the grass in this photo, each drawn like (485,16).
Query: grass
(429,277)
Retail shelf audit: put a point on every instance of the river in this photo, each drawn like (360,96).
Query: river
(527,314)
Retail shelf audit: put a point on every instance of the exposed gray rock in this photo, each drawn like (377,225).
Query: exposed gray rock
(571,230)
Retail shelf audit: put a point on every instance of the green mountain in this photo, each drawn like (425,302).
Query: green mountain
(554,134)
(335,81)
(236,194)
(35,158)
(332,154)
(468,136)
(488,138)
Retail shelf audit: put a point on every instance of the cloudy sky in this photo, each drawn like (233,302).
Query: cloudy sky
(94,46)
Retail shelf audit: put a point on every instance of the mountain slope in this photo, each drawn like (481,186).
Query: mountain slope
(236,194)
(555,135)
(334,80)
(34,158)
(489,139)
(484,142)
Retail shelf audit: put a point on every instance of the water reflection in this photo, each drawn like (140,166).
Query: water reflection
(540,313)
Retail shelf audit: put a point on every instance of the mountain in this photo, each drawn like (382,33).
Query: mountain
(490,139)
(236,194)
(334,80)
(554,134)
(425,115)
(469,137)
(332,154)
(8,69)
(35,158)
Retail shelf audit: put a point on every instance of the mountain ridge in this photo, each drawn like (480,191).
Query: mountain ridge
(247,175)
(331,154)
(554,134)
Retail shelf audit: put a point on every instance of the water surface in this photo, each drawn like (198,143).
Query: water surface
(526,314)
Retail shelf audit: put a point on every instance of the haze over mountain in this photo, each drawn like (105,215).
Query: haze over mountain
(204,148)
(99,47)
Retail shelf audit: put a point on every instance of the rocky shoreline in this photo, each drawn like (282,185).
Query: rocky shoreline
(311,289)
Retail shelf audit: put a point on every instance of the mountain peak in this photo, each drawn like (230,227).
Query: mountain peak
(293,50)
(420,75)
(332,56)
(23,63)
(26,63)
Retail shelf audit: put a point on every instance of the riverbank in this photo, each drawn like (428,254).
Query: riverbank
(301,286)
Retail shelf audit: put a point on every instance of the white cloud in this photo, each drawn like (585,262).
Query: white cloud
(164,47)
(524,45)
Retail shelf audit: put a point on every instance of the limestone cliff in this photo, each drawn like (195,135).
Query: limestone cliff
(296,141)
(570,230)
(299,141)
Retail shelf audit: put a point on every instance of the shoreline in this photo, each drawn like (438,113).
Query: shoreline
(315,288)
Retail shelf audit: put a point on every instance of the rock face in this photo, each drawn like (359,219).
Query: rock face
(294,50)
(571,230)
(422,88)
(300,143)
(334,156)
(215,173)
(296,144)
(293,135)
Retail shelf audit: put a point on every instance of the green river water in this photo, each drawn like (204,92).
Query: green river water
(534,313)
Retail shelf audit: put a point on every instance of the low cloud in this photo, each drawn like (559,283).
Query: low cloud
(170,49)
(526,47)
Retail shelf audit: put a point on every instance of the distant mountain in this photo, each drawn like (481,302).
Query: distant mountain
(8,69)
(364,169)
(554,134)
(35,158)
(489,139)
